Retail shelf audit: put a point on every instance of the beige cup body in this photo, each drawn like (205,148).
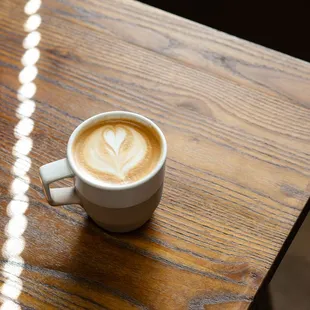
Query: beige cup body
(121,210)
(122,219)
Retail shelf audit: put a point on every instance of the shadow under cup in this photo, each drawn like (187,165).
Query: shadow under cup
(123,207)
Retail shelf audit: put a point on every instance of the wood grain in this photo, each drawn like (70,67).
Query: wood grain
(192,44)
(236,118)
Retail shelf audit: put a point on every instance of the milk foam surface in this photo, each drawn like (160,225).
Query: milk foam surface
(117,151)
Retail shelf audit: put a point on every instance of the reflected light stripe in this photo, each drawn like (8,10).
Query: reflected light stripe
(10,305)
(32,7)
(32,23)
(28,74)
(17,206)
(32,40)
(31,57)
(21,166)
(22,147)
(12,288)
(25,109)
(20,185)
(16,226)
(26,91)
(23,128)
(13,267)
(14,245)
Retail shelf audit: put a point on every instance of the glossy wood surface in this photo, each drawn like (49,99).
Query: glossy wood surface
(236,118)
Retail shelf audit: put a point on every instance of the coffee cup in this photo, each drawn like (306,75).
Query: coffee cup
(117,160)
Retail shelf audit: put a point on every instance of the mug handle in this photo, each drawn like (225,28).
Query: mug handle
(55,171)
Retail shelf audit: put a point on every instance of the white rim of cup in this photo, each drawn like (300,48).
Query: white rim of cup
(98,184)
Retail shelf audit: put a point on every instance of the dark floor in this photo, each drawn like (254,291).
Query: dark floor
(282,26)
(290,287)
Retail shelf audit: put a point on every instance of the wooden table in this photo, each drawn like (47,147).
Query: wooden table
(236,117)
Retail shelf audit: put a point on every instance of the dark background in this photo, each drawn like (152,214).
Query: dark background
(275,24)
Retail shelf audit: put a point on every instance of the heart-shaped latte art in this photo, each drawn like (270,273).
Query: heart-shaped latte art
(115,138)
(115,150)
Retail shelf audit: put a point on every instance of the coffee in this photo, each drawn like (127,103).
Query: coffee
(117,151)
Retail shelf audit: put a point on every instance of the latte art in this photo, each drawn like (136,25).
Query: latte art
(114,150)
(117,151)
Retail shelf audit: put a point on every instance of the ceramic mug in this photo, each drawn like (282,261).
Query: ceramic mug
(117,208)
